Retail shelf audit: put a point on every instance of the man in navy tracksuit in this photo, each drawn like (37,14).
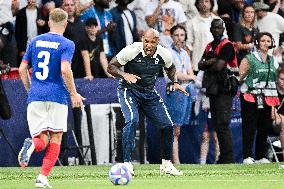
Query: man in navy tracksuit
(142,62)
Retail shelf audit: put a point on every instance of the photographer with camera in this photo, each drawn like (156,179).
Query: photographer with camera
(219,61)
(259,94)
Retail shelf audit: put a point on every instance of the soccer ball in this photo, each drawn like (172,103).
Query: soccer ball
(119,174)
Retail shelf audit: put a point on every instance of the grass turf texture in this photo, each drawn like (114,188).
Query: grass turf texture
(236,176)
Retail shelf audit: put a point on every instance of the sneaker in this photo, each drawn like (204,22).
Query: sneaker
(129,166)
(26,152)
(262,160)
(281,167)
(248,160)
(42,182)
(168,168)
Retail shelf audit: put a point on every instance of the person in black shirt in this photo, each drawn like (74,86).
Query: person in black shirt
(142,62)
(74,27)
(219,55)
(277,113)
(245,32)
(92,50)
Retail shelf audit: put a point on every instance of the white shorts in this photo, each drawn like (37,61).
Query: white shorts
(46,116)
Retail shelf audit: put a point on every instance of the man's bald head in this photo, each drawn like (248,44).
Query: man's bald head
(150,41)
(152,33)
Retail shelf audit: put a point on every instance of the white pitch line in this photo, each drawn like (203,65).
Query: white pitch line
(183,180)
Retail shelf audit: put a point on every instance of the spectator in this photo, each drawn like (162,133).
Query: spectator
(24,3)
(225,13)
(57,3)
(281,9)
(126,31)
(202,112)
(75,27)
(237,6)
(179,105)
(278,112)
(105,23)
(198,28)
(139,8)
(218,60)
(8,47)
(268,21)
(28,25)
(245,32)
(82,5)
(165,36)
(259,94)
(274,5)
(189,9)
(160,13)
(94,58)
(46,9)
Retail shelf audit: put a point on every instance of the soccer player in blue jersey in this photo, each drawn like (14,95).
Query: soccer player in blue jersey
(142,62)
(50,57)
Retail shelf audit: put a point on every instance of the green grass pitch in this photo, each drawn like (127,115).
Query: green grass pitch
(234,176)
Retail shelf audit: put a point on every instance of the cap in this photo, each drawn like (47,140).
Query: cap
(260,6)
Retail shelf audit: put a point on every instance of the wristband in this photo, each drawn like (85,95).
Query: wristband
(173,82)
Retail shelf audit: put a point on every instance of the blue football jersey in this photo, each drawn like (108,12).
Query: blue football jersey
(45,54)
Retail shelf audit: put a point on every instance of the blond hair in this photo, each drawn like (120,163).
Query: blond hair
(58,16)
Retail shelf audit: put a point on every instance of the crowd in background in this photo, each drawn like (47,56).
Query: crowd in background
(101,28)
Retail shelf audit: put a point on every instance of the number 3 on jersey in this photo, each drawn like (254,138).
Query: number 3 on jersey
(44,65)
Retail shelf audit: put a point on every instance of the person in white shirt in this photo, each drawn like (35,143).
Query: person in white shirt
(198,30)
(272,23)
(159,14)
(269,21)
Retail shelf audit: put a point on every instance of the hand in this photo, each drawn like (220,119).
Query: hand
(211,61)
(250,46)
(181,89)
(111,26)
(130,78)
(193,77)
(77,100)
(89,77)
(40,22)
(173,86)
(277,51)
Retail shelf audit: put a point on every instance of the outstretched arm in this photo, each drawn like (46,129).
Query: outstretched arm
(171,73)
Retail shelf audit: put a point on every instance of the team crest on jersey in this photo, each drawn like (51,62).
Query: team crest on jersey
(156,60)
